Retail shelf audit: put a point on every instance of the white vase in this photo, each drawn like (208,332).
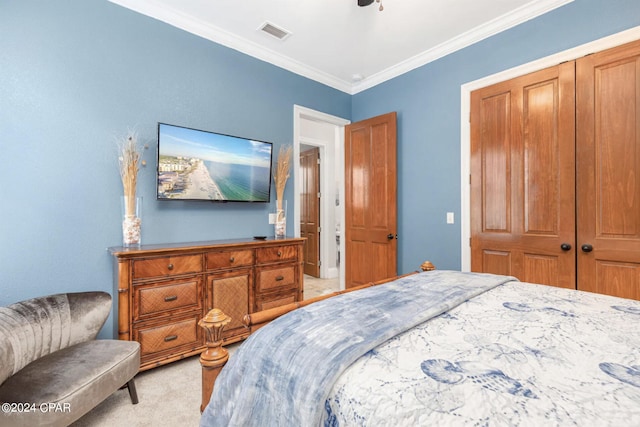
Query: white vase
(131,221)
(281,219)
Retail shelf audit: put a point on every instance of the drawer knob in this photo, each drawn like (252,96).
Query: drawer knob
(170,266)
(171,298)
(170,338)
(279,253)
(232,259)
(279,278)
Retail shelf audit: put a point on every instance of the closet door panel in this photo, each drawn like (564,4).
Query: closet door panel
(541,269)
(617,152)
(496,163)
(617,278)
(540,154)
(523,177)
(497,262)
(608,167)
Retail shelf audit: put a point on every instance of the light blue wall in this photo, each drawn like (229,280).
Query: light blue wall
(428,104)
(74,75)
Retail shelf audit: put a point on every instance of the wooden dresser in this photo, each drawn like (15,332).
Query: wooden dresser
(164,290)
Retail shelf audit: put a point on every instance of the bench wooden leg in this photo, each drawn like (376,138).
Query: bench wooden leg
(133,394)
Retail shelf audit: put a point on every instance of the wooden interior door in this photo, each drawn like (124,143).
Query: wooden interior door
(523,177)
(608,168)
(310,210)
(370,200)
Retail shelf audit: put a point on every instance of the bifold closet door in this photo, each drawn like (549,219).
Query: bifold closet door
(523,177)
(608,171)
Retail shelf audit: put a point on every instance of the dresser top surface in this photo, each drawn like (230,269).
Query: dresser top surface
(126,252)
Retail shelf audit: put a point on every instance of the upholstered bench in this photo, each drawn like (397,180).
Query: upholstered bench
(52,368)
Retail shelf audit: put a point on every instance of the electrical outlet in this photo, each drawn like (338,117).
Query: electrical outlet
(450,218)
(272,218)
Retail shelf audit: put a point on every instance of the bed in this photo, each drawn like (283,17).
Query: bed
(439,348)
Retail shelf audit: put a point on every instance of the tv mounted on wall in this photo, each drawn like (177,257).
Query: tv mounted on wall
(200,165)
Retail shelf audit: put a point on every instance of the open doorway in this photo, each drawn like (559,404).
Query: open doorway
(326,132)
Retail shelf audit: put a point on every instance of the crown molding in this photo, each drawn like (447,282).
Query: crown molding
(491,28)
(210,32)
(215,34)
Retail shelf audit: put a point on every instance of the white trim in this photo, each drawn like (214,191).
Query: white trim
(215,34)
(465,101)
(205,30)
(302,113)
(491,28)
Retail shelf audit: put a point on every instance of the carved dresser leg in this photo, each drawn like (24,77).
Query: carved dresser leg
(215,356)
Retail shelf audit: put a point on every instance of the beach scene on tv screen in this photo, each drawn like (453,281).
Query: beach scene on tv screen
(198,165)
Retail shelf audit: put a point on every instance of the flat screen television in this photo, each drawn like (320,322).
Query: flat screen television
(200,165)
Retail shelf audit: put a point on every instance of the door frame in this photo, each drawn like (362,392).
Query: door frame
(327,166)
(465,111)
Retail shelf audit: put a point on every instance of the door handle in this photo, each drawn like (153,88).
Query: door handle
(586,247)
(391,236)
(565,247)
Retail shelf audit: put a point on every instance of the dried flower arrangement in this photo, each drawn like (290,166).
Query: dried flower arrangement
(129,161)
(280,177)
(281,173)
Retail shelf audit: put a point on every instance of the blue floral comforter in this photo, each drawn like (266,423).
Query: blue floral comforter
(518,355)
(282,375)
(439,348)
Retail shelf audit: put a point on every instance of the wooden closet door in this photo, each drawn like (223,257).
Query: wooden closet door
(523,177)
(608,171)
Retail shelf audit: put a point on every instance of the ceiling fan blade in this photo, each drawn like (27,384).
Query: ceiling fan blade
(364,2)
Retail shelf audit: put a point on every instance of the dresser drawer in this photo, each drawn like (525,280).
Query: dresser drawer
(166,266)
(230,259)
(275,278)
(276,301)
(168,336)
(157,299)
(276,253)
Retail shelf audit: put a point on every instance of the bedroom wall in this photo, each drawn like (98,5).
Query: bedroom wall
(76,74)
(428,104)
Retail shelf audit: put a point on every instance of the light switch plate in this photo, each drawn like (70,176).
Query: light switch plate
(272,218)
(450,218)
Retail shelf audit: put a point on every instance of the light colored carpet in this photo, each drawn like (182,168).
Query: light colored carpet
(314,287)
(170,395)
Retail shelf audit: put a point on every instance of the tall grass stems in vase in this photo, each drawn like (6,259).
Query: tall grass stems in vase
(129,161)
(280,177)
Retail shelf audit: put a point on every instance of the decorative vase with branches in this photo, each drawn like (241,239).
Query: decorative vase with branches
(280,177)
(129,161)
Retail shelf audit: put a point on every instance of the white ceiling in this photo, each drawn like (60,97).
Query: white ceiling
(338,43)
